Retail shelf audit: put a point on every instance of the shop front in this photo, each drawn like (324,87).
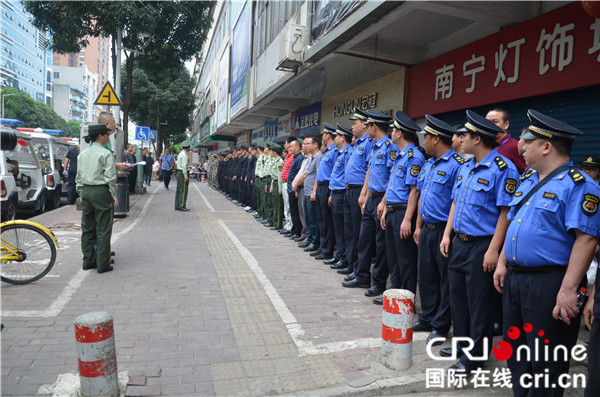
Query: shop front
(549,63)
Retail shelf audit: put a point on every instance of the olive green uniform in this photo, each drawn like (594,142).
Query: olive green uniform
(276,199)
(259,182)
(181,166)
(96,183)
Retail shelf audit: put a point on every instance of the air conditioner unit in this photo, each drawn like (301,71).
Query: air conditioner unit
(292,44)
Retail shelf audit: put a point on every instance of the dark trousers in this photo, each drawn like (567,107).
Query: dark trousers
(147,176)
(310,210)
(352,221)
(337,210)
(530,298)
(132,180)
(96,223)
(401,253)
(166,177)
(295,211)
(433,281)
(370,229)
(71,188)
(473,297)
(593,380)
(325,220)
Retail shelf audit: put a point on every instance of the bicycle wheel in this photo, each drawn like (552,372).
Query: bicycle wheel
(36,251)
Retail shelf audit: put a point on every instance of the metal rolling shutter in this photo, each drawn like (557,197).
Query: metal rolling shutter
(579,108)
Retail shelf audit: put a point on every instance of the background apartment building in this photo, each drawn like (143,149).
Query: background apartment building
(25,60)
(271,69)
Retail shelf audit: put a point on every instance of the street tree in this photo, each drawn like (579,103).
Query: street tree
(32,113)
(163,99)
(173,30)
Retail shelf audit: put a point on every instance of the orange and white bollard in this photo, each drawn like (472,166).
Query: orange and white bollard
(96,354)
(397,329)
(203,178)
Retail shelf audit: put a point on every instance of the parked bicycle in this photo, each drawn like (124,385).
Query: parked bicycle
(28,251)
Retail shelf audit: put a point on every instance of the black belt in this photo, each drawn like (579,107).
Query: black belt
(95,185)
(376,194)
(466,238)
(338,191)
(395,207)
(537,269)
(351,186)
(326,183)
(300,187)
(435,226)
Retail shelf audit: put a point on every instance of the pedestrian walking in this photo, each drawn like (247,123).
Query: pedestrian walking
(167,161)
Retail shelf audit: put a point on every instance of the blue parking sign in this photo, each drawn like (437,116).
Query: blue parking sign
(141,133)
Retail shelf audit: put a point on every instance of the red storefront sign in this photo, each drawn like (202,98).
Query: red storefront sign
(556,51)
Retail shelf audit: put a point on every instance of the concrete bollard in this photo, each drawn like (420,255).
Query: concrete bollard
(96,354)
(397,329)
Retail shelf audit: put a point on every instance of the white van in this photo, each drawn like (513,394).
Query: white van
(51,152)
(21,181)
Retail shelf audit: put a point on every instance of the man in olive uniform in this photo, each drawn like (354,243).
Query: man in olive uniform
(96,183)
(181,174)
(258,180)
(276,186)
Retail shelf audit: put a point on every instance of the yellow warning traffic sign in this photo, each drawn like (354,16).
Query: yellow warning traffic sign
(107,96)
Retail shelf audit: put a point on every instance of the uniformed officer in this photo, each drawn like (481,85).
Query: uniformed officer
(275,187)
(554,229)
(324,214)
(482,192)
(259,181)
(96,183)
(337,186)
(251,175)
(591,166)
(376,181)
(435,184)
(182,166)
(356,170)
(398,208)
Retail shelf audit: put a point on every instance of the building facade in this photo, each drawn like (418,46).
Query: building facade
(279,68)
(25,59)
(75,89)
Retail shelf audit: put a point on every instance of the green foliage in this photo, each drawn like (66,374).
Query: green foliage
(73,129)
(163,95)
(176,29)
(33,114)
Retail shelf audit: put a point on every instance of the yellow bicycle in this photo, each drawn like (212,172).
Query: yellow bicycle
(28,251)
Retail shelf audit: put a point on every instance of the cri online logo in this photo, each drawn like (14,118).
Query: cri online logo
(503,350)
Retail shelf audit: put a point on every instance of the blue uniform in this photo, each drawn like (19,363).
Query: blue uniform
(405,173)
(326,164)
(324,214)
(381,159)
(356,169)
(338,172)
(435,184)
(402,253)
(480,190)
(337,186)
(538,246)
